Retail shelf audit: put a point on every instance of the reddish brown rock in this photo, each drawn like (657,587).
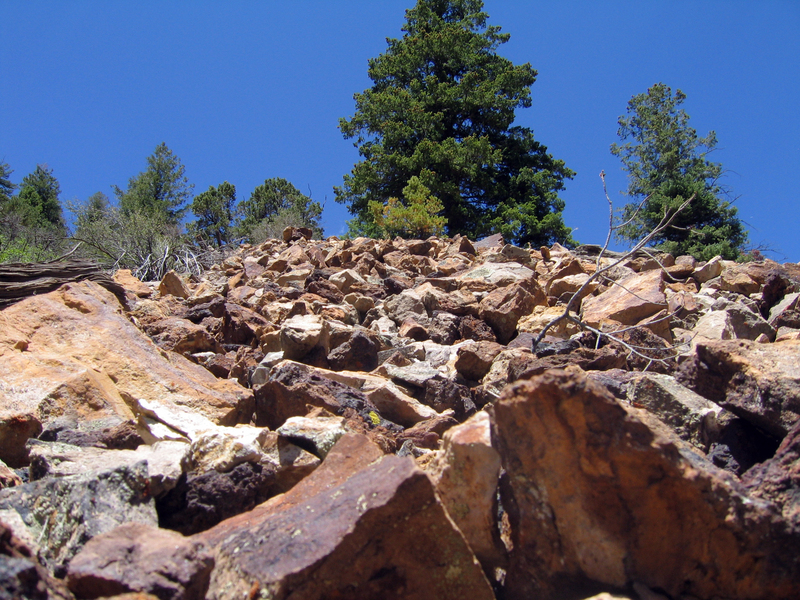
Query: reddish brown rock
(758,382)
(628,302)
(503,308)
(474,360)
(778,479)
(472,328)
(292,387)
(89,362)
(602,493)
(141,558)
(359,353)
(465,475)
(182,336)
(381,532)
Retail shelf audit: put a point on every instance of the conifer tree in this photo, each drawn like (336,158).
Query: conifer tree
(441,109)
(666,163)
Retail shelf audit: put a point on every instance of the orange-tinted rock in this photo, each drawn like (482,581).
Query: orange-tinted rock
(474,360)
(631,300)
(90,361)
(373,533)
(503,308)
(602,493)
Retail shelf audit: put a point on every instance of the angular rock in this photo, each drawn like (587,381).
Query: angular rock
(503,308)
(471,328)
(778,479)
(541,316)
(474,360)
(692,417)
(399,407)
(222,448)
(359,353)
(758,382)
(316,434)
(428,433)
(443,394)
(291,387)
(62,514)
(201,500)
(92,362)
(597,493)
(378,533)
(22,576)
(174,285)
(141,558)
(465,474)
(631,300)
(300,334)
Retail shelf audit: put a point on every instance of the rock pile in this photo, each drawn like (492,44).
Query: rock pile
(369,419)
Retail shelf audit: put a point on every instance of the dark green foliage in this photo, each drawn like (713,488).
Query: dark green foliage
(442,109)
(6,187)
(214,211)
(666,161)
(162,189)
(31,222)
(39,193)
(273,206)
(416,217)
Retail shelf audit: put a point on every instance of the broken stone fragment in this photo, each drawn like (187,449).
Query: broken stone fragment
(378,529)
(692,417)
(63,513)
(317,434)
(465,474)
(758,382)
(141,558)
(599,494)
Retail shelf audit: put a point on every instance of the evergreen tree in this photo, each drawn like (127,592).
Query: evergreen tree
(214,211)
(6,187)
(274,205)
(162,189)
(38,198)
(442,109)
(666,163)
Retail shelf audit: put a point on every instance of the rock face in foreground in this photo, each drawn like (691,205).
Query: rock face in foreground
(376,419)
(376,533)
(600,497)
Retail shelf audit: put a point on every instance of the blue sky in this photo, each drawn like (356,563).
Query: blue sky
(244,91)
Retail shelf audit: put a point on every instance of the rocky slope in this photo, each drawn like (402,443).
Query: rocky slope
(370,419)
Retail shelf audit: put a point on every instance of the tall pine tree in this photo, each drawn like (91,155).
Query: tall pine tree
(442,109)
(667,163)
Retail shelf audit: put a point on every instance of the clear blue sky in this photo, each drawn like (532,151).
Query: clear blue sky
(243,91)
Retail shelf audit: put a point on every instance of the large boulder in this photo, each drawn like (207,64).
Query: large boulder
(89,362)
(602,493)
(141,558)
(350,530)
(758,382)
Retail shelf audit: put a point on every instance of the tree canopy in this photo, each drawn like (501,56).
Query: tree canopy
(442,108)
(666,163)
(214,211)
(274,205)
(162,188)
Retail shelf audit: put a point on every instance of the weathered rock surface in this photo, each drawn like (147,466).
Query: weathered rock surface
(90,362)
(226,392)
(140,558)
(62,514)
(597,494)
(758,382)
(465,475)
(373,533)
